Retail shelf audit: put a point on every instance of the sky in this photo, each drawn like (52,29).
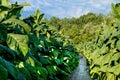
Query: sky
(67,8)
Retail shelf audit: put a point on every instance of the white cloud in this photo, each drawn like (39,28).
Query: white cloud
(68,8)
(81,11)
(101,4)
(97,4)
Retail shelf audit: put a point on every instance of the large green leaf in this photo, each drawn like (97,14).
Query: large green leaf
(15,12)
(38,61)
(115,69)
(10,68)
(4,2)
(3,12)
(116,56)
(105,59)
(110,76)
(103,68)
(3,73)
(25,26)
(37,16)
(18,42)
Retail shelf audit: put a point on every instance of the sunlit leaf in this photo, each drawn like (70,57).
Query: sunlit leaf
(31,61)
(25,4)
(25,26)
(116,56)
(115,69)
(110,76)
(18,42)
(4,2)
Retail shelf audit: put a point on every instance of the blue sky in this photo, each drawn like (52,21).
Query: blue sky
(67,8)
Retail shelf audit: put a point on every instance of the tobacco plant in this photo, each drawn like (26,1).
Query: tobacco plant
(29,49)
(103,52)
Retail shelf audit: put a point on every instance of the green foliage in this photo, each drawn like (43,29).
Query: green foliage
(97,37)
(4,2)
(29,49)
(77,30)
(9,67)
(103,52)
(18,43)
(115,10)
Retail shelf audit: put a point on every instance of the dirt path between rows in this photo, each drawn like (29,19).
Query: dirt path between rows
(82,71)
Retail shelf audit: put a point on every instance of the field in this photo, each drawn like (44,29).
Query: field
(37,48)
